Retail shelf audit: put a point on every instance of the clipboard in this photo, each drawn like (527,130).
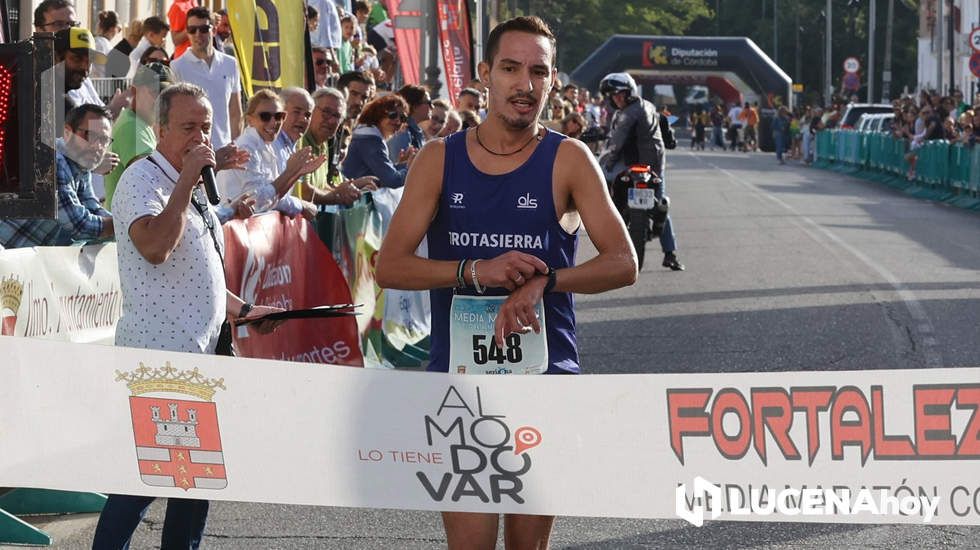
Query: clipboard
(318,312)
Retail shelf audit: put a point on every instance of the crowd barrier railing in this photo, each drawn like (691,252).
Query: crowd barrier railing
(107,87)
(943,171)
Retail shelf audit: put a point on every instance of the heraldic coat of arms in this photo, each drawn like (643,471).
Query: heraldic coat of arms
(175,424)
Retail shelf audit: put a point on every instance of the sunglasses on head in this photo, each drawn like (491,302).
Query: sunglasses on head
(395,115)
(266,116)
(194,29)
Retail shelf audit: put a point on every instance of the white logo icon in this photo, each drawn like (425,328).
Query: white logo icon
(707,500)
(706,497)
(527,202)
(457,198)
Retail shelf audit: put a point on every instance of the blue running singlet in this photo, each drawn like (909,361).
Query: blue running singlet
(481,216)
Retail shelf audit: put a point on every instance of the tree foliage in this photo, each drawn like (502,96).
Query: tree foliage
(583,25)
(754,19)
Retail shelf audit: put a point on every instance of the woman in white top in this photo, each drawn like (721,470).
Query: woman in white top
(270,174)
(107,30)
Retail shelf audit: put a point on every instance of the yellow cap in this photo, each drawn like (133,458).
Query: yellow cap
(77,38)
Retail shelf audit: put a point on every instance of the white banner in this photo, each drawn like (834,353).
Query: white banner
(60,293)
(868,447)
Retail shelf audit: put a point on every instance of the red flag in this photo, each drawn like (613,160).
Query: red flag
(408,19)
(454,41)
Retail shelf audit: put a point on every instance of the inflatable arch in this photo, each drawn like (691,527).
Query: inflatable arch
(733,68)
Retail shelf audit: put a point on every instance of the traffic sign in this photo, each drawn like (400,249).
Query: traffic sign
(975,64)
(975,39)
(852,65)
(852,81)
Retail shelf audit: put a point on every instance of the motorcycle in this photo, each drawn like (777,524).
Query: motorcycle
(634,193)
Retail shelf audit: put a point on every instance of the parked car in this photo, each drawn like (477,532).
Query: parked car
(875,122)
(855,110)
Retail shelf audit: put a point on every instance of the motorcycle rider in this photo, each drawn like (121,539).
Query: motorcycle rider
(635,138)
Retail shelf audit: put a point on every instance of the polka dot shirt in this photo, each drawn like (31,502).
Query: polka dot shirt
(178,305)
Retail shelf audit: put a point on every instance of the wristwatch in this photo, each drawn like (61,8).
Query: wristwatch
(552,280)
(246,309)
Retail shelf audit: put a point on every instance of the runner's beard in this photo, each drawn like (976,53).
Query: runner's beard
(522,122)
(517,123)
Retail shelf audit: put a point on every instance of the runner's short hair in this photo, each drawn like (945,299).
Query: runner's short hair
(530,25)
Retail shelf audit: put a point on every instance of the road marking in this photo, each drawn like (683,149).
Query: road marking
(922,324)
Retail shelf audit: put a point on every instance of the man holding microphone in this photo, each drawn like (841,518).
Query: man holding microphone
(170,247)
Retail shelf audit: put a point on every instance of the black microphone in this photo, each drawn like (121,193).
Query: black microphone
(207,174)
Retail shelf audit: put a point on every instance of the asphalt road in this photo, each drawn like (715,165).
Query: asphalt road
(788,268)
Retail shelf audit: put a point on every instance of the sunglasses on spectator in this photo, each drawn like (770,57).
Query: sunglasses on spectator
(266,116)
(194,29)
(321,62)
(395,115)
(438,120)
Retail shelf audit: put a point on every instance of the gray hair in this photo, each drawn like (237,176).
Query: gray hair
(293,92)
(166,98)
(330,91)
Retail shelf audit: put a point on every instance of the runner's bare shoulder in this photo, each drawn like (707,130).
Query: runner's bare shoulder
(575,164)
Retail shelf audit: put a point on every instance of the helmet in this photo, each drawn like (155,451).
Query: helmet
(617,82)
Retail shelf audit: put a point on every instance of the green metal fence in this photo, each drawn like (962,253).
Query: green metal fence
(943,170)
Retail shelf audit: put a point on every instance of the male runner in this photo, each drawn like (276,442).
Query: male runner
(501,205)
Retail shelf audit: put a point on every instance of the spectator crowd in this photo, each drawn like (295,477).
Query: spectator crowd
(304,152)
(914,120)
(294,151)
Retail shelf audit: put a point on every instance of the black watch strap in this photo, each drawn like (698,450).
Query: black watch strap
(552,280)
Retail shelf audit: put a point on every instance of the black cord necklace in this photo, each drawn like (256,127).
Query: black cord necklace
(537,135)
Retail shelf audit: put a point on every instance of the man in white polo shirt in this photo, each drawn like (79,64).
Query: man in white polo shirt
(216,73)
